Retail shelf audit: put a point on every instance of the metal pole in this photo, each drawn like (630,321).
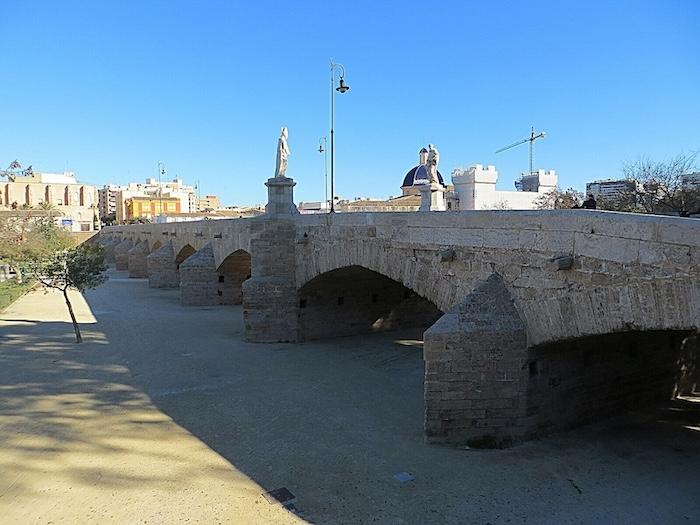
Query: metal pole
(325,170)
(332,143)
(160,187)
(532,145)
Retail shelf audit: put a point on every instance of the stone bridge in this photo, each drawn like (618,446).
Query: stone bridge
(533,321)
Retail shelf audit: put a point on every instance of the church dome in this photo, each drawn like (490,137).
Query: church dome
(419,175)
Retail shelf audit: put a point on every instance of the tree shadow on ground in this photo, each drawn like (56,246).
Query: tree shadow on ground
(331,421)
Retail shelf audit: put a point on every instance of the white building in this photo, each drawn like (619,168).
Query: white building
(475,188)
(691,181)
(611,189)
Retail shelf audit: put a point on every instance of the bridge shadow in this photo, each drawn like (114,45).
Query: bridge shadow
(332,421)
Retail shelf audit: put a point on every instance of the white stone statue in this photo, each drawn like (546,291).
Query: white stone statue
(432,164)
(282,154)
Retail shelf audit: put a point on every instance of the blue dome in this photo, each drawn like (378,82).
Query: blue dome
(419,175)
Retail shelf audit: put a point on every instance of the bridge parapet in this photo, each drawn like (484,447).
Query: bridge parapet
(569,275)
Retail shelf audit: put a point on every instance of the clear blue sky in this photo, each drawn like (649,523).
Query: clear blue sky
(108,89)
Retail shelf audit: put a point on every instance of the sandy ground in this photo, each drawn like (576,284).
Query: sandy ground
(165,415)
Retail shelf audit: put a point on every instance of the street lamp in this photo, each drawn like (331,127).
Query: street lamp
(161,171)
(342,88)
(323,148)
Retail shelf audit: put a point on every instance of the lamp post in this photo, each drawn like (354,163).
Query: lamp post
(342,88)
(323,148)
(161,171)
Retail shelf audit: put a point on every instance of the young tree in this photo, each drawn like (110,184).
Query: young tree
(79,268)
(25,235)
(663,185)
(559,200)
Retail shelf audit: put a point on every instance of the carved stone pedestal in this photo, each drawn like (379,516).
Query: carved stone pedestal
(280,197)
(432,197)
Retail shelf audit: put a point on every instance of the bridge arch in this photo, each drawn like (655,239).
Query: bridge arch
(355,300)
(186,251)
(233,270)
(420,270)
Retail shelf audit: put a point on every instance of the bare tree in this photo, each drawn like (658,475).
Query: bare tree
(664,186)
(559,200)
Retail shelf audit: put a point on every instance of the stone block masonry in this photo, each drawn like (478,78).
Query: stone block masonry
(202,284)
(121,254)
(162,269)
(199,280)
(137,261)
(475,370)
(528,297)
(270,306)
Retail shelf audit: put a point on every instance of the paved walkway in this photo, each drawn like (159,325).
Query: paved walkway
(165,415)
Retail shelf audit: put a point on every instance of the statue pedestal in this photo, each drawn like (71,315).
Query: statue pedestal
(280,197)
(432,197)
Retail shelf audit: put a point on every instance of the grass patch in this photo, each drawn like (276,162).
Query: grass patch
(10,291)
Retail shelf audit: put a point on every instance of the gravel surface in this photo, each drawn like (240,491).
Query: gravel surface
(165,415)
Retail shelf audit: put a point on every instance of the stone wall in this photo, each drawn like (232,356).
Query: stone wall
(475,370)
(199,280)
(625,271)
(511,284)
(121,254)
(270,305)
(162,270)
(137,261)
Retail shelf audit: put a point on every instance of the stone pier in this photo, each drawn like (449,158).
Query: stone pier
(162,269)
(121,254)
(137,261)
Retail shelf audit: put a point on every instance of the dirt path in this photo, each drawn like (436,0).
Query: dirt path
(165,415)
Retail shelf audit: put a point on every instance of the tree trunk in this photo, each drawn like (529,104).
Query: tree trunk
(78,337)
(18,274)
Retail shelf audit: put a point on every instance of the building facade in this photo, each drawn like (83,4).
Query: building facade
(610,189)
(153,189)
(475,189)
(150,207)
(208,203)
(108,197)
(75,204)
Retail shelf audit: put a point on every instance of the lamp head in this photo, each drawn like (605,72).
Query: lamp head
(342,87)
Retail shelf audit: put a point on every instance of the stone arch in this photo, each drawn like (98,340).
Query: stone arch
(233,271)
(354,300)
(186,251)
(644,305)
(418,270)
(156,246)
(486,381)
